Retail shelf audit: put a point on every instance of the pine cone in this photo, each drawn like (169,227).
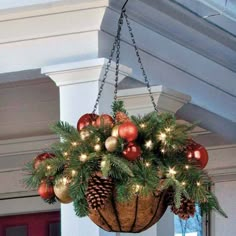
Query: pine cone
(121,117)
(98,191)
(186,209)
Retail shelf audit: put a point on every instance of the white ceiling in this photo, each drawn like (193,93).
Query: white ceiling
(222,13)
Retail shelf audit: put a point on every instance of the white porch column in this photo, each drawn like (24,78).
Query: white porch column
(79,83)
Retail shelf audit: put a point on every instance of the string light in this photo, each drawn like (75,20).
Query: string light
(65,154)
(83,157)
(168,129)
(49,167)
(183,183)
(198,184)
(147,164)
(97,147)
(74,144)
(73,173)
(142,125)
(186,167)
(149,144)
(84,134)
(162,137)
(163,150)
(172,172)
(137,188)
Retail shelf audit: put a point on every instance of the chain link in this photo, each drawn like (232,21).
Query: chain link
(108,65)
(140,62)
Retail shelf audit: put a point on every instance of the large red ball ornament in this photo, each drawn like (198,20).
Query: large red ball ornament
(45,190)
(132,152)
(128,131)
(42,157)
(104,120)
(86,120)
(199,153)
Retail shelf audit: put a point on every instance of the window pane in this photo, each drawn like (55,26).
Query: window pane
(190,227)
(16,231)
(54,229)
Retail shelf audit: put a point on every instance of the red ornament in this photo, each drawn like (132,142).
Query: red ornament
(128,131)
(132,152)
(42,157)
(198,152)
(85,120)
(45,190)
(104,120)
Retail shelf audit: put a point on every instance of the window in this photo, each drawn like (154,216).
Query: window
(16,230)
(190,227)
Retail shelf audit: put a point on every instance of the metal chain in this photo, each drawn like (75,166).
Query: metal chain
(114,46)
(140,62)
(118,56)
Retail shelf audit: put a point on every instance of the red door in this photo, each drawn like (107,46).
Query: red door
(40,224)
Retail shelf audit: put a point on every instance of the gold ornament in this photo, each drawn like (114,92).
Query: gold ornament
(115,132)
(97,147)
(61,190)
(84,134)
(111,144)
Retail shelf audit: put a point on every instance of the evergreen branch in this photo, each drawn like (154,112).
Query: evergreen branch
(118,106)
(105,166)
(212,204)
(65,130)
(81,207)
(179,190)
(119,167)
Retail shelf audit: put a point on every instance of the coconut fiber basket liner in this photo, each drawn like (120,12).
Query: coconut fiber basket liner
(133,216)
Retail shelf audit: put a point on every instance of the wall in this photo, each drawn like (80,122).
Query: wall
(14,197)
(222,167)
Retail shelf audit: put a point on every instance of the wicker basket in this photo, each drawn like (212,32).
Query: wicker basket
(132,217)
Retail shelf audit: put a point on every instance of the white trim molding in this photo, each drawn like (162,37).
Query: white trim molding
(84,71)
(137,100)
(29,145)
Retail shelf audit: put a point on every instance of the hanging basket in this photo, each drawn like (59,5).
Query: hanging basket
(133,216)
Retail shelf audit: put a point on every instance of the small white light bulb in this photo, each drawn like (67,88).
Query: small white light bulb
(83,157)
